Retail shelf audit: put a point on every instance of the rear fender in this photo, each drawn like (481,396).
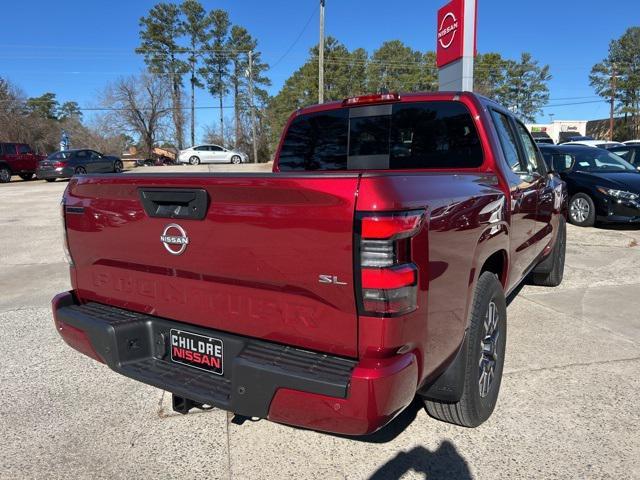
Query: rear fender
(449,385)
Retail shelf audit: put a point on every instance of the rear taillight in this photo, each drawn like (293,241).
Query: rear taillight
(65,240)
(59,164)
(388,277)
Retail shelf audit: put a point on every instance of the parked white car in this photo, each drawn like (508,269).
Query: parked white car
(595,143)
(210,154)
(632,142)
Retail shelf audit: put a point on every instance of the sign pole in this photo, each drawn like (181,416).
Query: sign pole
(456,45)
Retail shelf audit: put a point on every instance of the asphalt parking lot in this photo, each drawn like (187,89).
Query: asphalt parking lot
(568,408)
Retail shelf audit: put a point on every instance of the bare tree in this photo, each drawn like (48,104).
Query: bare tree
(140,105)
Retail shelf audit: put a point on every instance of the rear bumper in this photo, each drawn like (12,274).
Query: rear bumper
(53,173)
(261,379)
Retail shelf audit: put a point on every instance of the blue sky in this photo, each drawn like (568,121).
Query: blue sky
(73,48)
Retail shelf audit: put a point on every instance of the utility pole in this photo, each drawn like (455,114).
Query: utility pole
(193,98)
(253,110)
(613,98)
(321,56)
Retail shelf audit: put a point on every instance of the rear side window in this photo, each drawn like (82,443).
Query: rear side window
(9,148)
(622,153)
(561,162)
(317,141)
(401,136)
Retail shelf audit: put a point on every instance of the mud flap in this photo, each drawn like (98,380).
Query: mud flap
(449,386)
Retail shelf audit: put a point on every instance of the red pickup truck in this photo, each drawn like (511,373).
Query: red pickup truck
(18,159)
(371,266)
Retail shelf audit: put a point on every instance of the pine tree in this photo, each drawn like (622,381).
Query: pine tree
(196,26)
(623,62)
(525,88)
(216,62)
(159,33)
(241,45)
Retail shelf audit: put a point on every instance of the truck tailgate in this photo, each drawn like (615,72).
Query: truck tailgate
(251,265)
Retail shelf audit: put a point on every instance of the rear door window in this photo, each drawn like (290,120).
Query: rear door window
(508,142)
(533,165)
(420,135)
(562,162)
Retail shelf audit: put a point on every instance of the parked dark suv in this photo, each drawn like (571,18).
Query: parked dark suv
(67,163)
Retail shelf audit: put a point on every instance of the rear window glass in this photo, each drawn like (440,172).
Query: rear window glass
(405,136)
(59,156)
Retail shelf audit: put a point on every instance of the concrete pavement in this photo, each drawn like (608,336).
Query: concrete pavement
(568,407)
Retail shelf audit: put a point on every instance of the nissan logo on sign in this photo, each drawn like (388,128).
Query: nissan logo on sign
(448,30)
(450,33)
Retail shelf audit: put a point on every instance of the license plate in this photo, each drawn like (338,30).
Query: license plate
(197,351)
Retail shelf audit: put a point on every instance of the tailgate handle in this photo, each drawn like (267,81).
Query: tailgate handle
(186,203)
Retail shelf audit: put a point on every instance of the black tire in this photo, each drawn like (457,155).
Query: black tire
(5,174)
(80,171)
(117,166)
(479,397)
(550,271)
(582,210)
(236,160)
(50,180)
(26,176)
(194,160)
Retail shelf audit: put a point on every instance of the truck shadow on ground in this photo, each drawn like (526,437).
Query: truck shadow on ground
(444,463)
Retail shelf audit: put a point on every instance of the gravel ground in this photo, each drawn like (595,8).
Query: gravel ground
(568,406)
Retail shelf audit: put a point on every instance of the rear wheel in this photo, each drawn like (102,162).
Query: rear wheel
(236,160)
(194,160)
(485,351)
(582,210)
(117,166)
(80,171)
(5,175)
(26,176)
(550,271)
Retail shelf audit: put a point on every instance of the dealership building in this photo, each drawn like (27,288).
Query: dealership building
(559,130)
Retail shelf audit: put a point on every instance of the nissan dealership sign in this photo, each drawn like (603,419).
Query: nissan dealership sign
(456,44)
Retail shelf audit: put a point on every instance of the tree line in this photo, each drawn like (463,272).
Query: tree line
(184,45)
(518,84)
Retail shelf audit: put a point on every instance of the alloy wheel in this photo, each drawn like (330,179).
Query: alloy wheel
(489,350)
(579,210)
(5,175)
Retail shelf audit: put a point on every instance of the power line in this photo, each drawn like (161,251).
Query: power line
(297,39)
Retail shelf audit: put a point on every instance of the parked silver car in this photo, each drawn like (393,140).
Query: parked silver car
(210,154)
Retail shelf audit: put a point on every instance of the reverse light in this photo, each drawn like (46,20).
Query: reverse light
(389,279)
(618,194)
(367,99)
